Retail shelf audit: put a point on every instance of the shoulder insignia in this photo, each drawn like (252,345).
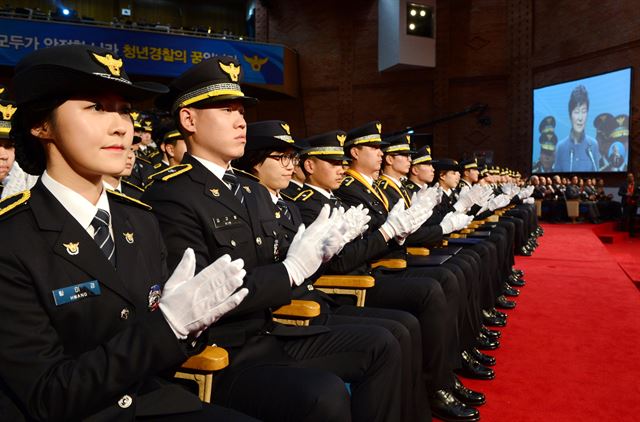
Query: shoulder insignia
(304,195)
(153,154)
(170,172)
(14,201)
(348,180)
(383,184)
(157,166)
(133,185)
(127,199)
(409,185)
(144,160)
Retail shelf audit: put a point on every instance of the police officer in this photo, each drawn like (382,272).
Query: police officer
(85,333)
(276,372)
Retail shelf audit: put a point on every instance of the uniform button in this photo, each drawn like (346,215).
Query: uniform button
(124,314)
(310,287)
(286,236)
(125,401)
(233,243)
(258,240)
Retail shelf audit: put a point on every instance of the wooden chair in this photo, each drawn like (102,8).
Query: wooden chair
(538,203)
(202,367)
(351,285)
(391,263)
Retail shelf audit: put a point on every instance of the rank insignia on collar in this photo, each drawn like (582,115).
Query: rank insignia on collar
(247,188)
(277,214)
(128,237)
(72,248)
(215,192)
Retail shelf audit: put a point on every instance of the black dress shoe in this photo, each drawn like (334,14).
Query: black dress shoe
(499,314)
(510,291)
(467,395)
(445,406)
(485,343)
(504,303)
(492,334)
(492,321)
(515,281)
(517,273)
(524,251)
(486,360)
(471,368)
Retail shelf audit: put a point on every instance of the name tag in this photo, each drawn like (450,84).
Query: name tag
(75,293)
(220,222)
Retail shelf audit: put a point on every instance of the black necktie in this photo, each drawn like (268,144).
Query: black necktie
(335,202)
(284,209)
(102,236)
(230,178)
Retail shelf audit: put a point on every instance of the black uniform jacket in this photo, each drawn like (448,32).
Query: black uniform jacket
(98,354)
(429,234)
(197,210)
(354,258)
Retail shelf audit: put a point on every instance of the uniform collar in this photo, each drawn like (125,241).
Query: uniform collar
(108,186)
(214,168)
(394,180)
(75,204)
(324,192)
(295,182)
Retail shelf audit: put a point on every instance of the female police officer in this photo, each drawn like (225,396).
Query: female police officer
(86,332)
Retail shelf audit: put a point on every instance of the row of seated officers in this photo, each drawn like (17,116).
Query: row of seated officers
(107,291)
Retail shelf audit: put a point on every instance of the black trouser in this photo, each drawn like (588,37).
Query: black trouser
(208,413)
(628,219)
(303,378)
(406,329)
(423,297)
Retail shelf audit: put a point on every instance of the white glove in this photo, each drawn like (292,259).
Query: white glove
(402,222)
(309,247)
(529,200)
(355,222)
(454,221)
(192,303)
(499,201)
(432,193)
(464,201)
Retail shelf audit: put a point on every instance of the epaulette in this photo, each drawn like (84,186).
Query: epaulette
(170,172)
(382,184)
(15,201)
(246,174)
(348,180)
(304,195)
(128,200)
(157,165)
(153,154)
(144,160)
(133,185)
(409,185)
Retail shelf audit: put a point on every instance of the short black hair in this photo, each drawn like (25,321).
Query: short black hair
(579,96)
(252,158)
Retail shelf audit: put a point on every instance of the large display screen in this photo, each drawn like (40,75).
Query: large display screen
(582,125)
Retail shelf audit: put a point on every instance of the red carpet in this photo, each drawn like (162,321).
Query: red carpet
(624,249)
(570,351)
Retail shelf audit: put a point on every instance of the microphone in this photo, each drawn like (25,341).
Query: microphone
(571,158)
(590,154)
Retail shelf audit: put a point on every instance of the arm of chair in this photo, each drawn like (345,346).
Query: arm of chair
(349,285)
(418,251)
(298,312)
(200,369)
(394,263)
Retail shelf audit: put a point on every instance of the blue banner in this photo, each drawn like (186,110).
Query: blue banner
(144,53)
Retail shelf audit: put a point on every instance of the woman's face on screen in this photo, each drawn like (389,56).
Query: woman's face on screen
(579,117)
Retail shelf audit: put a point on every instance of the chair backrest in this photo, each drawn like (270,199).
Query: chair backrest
(573,208)
(538,207)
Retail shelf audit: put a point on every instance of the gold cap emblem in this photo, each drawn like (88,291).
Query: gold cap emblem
(620,120)
(7,111)
(72,248)
(110,63)
(341,139)
(231,69)
(134,115)
(379,127)
(285,127)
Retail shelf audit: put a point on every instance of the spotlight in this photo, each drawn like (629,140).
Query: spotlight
(65,11)
(423,13)
(412,26)
(413,12)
